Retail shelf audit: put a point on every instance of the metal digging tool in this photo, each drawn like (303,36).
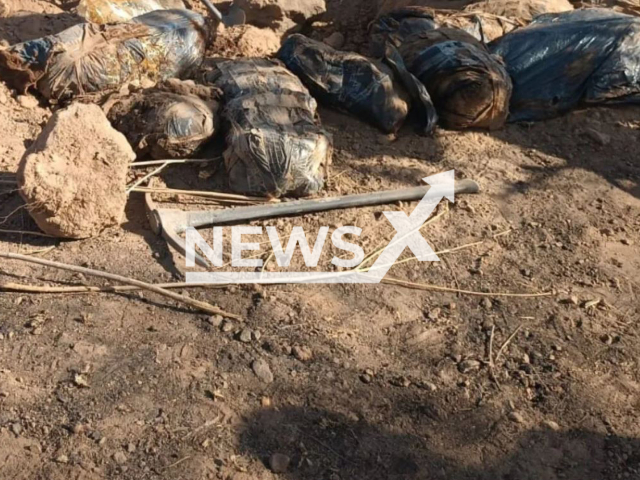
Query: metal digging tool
(171,223)
(236,15)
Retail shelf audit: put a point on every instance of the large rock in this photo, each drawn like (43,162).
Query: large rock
(73,177)
(281,15)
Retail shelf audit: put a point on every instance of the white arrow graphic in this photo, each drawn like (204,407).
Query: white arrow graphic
(407,236)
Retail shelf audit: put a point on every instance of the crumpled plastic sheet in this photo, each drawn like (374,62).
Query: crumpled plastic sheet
(89,58)
(348,81)
(275,144)
(562,61)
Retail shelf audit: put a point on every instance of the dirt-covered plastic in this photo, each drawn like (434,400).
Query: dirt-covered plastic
(562,61)
(89,58)
(348,81)
(172,120)
(114,11)
(469,87)
(275,144)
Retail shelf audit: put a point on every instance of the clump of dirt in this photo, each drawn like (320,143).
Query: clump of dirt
(282,16)
(73,177)
(245,41)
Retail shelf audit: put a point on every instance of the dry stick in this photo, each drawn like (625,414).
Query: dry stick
(205,307)
(153,163)
(139,182)
(492,364)
(437,288)
(19,287)
(508,341)
(227,197)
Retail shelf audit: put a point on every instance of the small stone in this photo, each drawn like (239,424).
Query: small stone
(16,428)
(27,101)
(366,378)
(606,338)
(215,320)
(245,336)
(486,303)
(335,40)
(516,417)
(304,354)
(429,386)
(62,459)
(120,458)
(80,381)
(434,314)
(262,370)
(279,463)
(131,447)
(551,425)
(525,359)
(227,326)
(469,366)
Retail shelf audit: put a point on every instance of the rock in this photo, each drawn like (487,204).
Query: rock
(245,335)
(516,417)
(4,8)
(366,378)
(246,41)
(262,370)
(486,303)
(279,463)
(598,137)
(16,428)
(120,458)
(304,354)
(550,424)
(73,177)
(28,101)
(227,326)
(335,40)
(80,381)
(61,459)
(215,320)
(467,366)
(281,15)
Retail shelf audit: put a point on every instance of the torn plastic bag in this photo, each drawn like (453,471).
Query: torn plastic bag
(347,81)
(114,11)
(89,58)
(469,87)
(565,60)
(275,145)
(172,120)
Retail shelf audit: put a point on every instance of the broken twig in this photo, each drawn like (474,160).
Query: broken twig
(203,306)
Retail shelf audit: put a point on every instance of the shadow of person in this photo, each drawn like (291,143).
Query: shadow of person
(325,445)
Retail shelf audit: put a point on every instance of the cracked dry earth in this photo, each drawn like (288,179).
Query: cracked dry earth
(367,381)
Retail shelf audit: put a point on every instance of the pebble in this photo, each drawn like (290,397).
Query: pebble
(27,101)
(62,459)
(516,417)
(551,425)
(227,326)
(120,458)
(304,354)
(335,40)
(469,366)
(215,320)
(366,378)
(279,463)
(486,303)
(434,314)
(262,370)
(16,428)
(245,336)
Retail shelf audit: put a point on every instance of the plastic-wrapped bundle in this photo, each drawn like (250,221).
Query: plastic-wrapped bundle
(114,11)
(347,81)
(173,120)
(564,60)
(89,58)
(469,86)
(275,145)
(400,24)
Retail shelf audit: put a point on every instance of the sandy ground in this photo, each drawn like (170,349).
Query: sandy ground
(370,382)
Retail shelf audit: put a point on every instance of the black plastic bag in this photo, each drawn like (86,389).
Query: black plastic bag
(469,87)
(399,24)
(347,81)
(89,58)
(561,61)
(173,120)
(275,145)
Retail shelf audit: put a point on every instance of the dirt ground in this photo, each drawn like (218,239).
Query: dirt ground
(369,382)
